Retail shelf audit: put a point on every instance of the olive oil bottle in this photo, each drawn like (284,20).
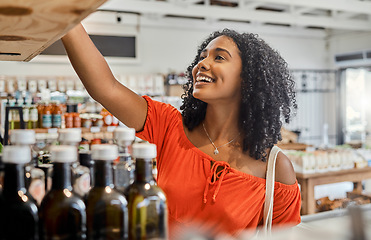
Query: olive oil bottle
(18,212)
(146,201)
(62,213)
(106,208)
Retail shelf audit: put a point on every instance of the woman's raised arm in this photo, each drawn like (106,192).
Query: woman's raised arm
(99,81)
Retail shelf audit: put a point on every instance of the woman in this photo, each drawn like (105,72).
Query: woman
(212,156)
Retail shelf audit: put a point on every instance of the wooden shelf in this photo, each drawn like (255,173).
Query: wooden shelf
(83,130)
(27,27)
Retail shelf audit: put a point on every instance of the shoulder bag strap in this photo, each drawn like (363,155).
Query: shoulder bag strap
(269,190)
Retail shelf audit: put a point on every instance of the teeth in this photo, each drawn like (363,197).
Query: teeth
(204,79)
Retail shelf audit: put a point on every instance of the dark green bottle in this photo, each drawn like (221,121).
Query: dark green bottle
(18,212)
(146,201)
(62,213)
(106,208)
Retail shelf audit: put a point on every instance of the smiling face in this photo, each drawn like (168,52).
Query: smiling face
(217,76)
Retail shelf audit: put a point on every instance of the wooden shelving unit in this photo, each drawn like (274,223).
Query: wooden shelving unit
(27,27)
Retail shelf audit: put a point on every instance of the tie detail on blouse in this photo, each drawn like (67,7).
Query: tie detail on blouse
(216,177)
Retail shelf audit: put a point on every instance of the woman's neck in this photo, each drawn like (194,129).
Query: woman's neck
(221,123)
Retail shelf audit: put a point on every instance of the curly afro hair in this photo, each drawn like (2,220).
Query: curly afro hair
(267,93)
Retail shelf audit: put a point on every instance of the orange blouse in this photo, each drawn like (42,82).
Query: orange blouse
(232,203)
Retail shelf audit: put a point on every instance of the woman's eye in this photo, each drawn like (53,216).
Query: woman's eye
(202,58)
(219,58)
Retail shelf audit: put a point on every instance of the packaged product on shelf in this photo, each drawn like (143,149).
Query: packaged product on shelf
(323,160)
(46,116)
(34,118)
(57,114)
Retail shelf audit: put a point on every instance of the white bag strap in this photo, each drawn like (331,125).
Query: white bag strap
(269,190)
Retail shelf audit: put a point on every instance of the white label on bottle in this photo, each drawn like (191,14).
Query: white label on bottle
(32,86)
(26,114)
(21,84)
(52,85)
(10,85)
(34,114)
(37,190)
(41,84)
(82,184)
(61,85)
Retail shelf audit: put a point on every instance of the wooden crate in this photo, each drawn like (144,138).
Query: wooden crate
(27,27)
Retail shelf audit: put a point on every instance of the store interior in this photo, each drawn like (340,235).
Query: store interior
(327,46)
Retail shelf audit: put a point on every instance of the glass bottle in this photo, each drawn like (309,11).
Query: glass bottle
(34,118)
(106,208)
(34,176)
(19,214)
(46,116)
(80,174)
(146,201)
(62,212)
(57,115)
(123,169)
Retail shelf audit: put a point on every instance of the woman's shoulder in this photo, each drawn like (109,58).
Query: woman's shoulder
(284,170)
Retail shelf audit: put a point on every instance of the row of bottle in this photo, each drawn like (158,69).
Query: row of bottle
(105,211)
(54,114)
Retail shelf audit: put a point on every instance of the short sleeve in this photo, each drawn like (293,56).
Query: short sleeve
(161,118)
(287,204)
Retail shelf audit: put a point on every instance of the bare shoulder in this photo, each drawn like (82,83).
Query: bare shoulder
(284,170)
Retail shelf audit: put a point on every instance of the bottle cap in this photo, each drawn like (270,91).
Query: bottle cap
(144,150)
(107,152)
(69,135)
(63,153)
(22,136)
(124,134)
(16,154)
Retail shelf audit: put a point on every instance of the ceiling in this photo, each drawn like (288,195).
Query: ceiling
(325,15)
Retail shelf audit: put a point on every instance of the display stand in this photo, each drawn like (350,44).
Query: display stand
(309,181)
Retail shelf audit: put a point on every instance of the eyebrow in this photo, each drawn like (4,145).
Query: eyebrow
(219,50)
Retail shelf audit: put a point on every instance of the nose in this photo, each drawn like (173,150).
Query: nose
(203,64)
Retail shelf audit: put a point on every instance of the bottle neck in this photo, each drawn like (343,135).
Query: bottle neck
(14,178)
(143,170)
(103,174)
(61,176)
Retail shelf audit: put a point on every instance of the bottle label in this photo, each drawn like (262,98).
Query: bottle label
(82,184)
(37,190)
(34,116)
(26,114)
(57,120)
(47,120)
